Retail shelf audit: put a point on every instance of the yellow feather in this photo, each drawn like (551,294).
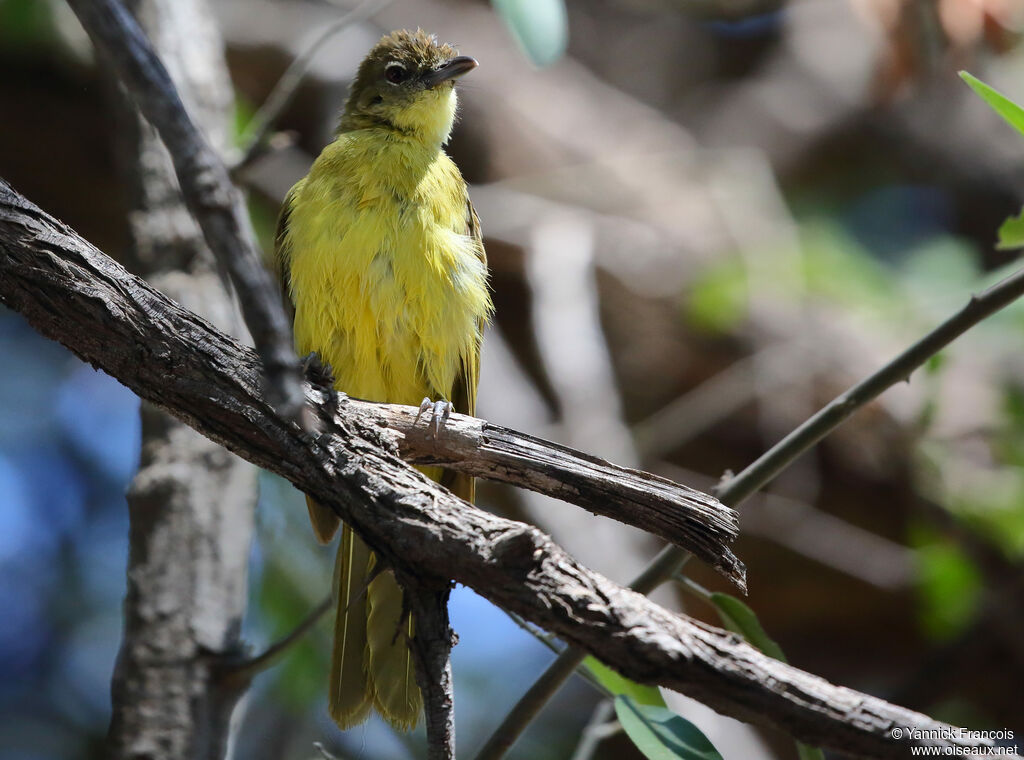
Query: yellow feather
(388,287)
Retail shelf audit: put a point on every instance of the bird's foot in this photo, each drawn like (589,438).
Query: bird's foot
(320,374)
(440,412)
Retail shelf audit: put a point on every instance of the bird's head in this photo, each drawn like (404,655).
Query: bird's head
(407,84)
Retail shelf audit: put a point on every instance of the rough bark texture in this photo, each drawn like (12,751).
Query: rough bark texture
(72,293)
(681,515)
(431,645)
(191,505)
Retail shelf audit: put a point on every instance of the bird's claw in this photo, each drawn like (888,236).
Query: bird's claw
(321,375)
(440,412)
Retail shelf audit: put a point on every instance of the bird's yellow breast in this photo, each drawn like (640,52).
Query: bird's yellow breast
(388,288)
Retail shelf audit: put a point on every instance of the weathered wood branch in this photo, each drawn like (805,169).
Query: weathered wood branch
(72,293)
(681,515)
(431,644)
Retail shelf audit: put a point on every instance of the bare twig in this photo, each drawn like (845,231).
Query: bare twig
(431,646)
(70,292)
(542,637)
(526,709)
(549,641)
(247,668)
(208,191)
(596,730)
(277,102)
(323,751)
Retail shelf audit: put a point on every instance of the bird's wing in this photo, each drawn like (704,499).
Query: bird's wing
(463,395)
(281,257)
(325,522)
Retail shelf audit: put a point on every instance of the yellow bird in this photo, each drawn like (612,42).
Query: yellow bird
(379,254)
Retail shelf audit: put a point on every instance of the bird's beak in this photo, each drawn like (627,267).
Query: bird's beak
(452,69)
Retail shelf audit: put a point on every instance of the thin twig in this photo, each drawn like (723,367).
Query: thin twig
(548,641)
(569,660)
(692,586)
(251,666)
(431,646)
(323,751)
(283,93)
(596,730)
(544,638)
(526,709)
(212,198)
(734,490)
(69,291)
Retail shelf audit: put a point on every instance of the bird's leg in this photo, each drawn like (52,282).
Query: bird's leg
(321,375)
(442,410)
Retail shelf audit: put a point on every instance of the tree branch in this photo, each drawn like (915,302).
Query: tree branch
(431,646)
(681,515)
(213,200)
(568,661)
(72,293)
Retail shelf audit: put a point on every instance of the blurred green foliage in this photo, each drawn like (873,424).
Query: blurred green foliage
(948,584)
(25,24)
(717,302)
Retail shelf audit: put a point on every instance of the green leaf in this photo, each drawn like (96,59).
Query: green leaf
(739,618)
(660,734)
(808,753)
(620,685)
(540,26)
(1002,105)
(1011,233)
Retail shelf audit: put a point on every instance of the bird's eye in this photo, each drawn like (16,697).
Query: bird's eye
(395,73)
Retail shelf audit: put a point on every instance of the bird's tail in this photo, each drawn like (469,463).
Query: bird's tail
(325,522)
(349,698)
(371,663)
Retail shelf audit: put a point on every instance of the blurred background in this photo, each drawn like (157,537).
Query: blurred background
(704,218)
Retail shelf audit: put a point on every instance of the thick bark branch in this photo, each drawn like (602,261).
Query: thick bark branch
(72,293)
